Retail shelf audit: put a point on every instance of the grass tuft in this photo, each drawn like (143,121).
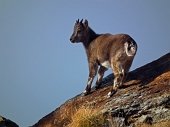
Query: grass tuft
(87,117)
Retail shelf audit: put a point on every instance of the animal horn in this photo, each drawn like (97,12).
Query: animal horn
(81,21)
(77,21)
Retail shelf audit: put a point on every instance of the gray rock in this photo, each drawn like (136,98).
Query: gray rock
(144,98)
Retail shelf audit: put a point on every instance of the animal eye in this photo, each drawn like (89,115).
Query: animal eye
(78,31)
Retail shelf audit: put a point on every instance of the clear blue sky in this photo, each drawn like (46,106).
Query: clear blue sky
(40,68)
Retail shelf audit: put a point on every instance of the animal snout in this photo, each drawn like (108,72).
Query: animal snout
(72,39)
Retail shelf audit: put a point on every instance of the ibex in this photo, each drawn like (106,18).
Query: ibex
(106,50)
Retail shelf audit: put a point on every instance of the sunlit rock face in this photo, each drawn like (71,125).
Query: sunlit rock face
(144,99)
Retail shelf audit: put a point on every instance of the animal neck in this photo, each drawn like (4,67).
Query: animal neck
(91,35)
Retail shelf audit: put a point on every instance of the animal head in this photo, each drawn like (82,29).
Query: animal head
(79,32)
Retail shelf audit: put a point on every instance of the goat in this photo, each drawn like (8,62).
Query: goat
(106,50)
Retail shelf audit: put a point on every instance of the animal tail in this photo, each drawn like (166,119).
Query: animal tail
(130,48)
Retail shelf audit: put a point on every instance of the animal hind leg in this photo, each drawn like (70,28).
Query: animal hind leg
(126,71)
(119,75)
(118,78)
(100,76)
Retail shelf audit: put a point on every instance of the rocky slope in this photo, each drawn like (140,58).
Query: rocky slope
(145,98)
(7,123)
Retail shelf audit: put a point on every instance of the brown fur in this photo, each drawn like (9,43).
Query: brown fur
(117,50)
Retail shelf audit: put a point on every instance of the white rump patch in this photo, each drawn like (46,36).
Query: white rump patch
(106,64)
(130,48)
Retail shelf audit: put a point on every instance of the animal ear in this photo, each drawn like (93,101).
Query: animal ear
(86,23)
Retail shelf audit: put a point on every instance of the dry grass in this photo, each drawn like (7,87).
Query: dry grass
(87,117)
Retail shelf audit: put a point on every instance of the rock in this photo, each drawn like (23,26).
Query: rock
(7,123)
(145,98)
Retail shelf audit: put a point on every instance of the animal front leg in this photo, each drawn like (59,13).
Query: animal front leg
(93,69)
(100,76)
(88,87)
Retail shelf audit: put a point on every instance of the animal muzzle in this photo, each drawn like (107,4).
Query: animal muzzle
(72,39)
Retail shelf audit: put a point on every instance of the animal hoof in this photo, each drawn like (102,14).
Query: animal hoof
(120,86)
(85,93)
(110,94)
(96,87)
